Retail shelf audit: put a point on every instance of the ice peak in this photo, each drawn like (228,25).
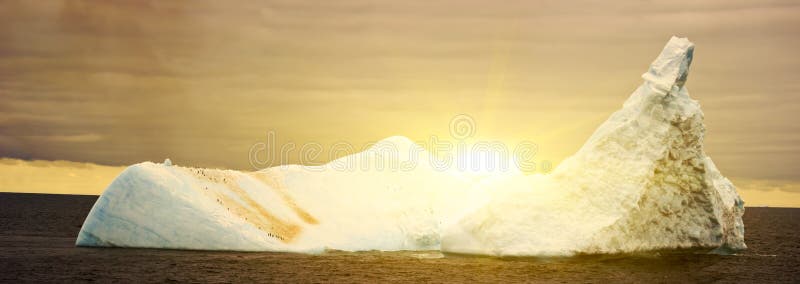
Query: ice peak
(671,67)
(400,142)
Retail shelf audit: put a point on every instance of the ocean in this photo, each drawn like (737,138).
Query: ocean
(38,231)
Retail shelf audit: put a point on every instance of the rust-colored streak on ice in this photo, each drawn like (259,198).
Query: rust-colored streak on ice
(246,208)
(274,182)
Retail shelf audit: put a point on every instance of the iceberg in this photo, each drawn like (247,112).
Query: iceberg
(641,182)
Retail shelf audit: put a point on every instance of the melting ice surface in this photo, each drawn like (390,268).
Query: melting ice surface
(641,182)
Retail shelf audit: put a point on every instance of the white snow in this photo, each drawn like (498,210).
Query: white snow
(642,181)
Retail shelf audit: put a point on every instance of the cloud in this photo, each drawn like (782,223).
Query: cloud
(62,177)
(78,138)
(768,192)
(121,82)
(768,185)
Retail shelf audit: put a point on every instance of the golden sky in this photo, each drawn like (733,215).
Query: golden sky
(119,82)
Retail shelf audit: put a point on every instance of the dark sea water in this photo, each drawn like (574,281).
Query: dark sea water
(37,236)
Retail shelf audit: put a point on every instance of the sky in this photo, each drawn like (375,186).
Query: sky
(120,82)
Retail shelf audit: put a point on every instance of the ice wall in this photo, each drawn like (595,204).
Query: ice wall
(642,181)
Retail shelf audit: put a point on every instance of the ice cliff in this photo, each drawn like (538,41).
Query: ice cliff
(641,182)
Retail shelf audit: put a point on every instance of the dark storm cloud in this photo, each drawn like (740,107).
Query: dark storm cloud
(117,82)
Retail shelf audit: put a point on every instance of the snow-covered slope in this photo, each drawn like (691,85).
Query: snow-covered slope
(359,202)
(641,181)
